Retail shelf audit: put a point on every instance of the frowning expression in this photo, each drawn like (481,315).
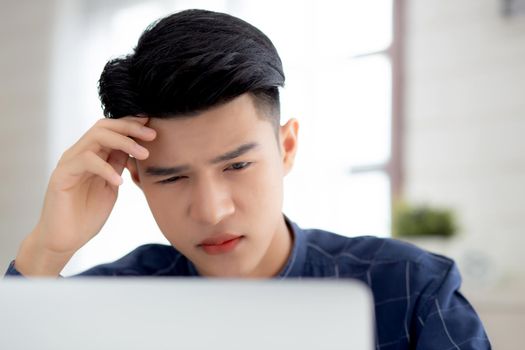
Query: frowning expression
(217,176)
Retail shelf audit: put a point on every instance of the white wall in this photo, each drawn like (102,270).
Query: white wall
(465,125)
(25,37)
(465,145)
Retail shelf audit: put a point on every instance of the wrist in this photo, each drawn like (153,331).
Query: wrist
(34,260)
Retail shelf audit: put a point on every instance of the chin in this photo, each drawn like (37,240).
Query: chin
(227,271)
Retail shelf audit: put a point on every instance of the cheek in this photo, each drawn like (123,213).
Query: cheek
(163,206)
(264,186)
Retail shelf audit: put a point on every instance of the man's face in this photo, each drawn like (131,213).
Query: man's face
(220,172)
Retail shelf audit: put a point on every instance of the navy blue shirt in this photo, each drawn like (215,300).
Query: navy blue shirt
(416,294)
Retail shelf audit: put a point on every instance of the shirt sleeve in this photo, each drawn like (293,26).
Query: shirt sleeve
(446,320)
(146,260)
(12,271)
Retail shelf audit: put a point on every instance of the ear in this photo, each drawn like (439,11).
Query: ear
(288,143)
(133,170)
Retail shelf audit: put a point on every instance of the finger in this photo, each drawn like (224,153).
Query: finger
(105,141)
(128,126)
(141,117)
(118,160)
(90,163)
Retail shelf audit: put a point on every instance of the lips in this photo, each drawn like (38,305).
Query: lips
(223,244)
(219,239)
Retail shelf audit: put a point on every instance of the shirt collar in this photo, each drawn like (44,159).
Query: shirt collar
(295,263)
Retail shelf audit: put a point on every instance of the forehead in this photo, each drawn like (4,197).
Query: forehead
(205,134)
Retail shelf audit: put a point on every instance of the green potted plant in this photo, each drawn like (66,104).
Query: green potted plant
(418,221)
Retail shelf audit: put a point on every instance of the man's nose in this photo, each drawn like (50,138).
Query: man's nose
(211,202)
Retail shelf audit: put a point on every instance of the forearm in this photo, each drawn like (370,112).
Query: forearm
(33,260)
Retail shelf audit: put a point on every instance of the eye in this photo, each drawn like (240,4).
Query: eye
(171,179)
(239,166)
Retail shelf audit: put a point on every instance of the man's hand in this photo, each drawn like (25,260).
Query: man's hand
(81,193)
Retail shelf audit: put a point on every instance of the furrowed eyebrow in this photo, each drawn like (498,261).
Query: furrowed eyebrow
(161,171)
(239,151)
(165,171)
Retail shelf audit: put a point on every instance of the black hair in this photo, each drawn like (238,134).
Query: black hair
(190,61)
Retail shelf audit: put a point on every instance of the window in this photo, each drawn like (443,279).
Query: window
(338,58)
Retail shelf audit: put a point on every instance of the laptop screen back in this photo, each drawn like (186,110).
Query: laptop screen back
(182,313)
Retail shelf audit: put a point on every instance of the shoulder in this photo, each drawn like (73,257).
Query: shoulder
(416,293)
(145,260)
(369,253)
(365,248)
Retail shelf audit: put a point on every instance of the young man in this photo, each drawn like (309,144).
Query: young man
(193,114)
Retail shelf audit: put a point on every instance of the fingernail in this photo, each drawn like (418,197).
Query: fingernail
(147,130)
(141,150)
(118,179)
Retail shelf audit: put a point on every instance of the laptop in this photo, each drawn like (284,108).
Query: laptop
(185,313)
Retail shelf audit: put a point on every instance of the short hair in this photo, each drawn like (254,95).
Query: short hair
(191,61)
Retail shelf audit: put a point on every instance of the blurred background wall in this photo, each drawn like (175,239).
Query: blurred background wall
(26,43)
(465,125)
(463,143)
